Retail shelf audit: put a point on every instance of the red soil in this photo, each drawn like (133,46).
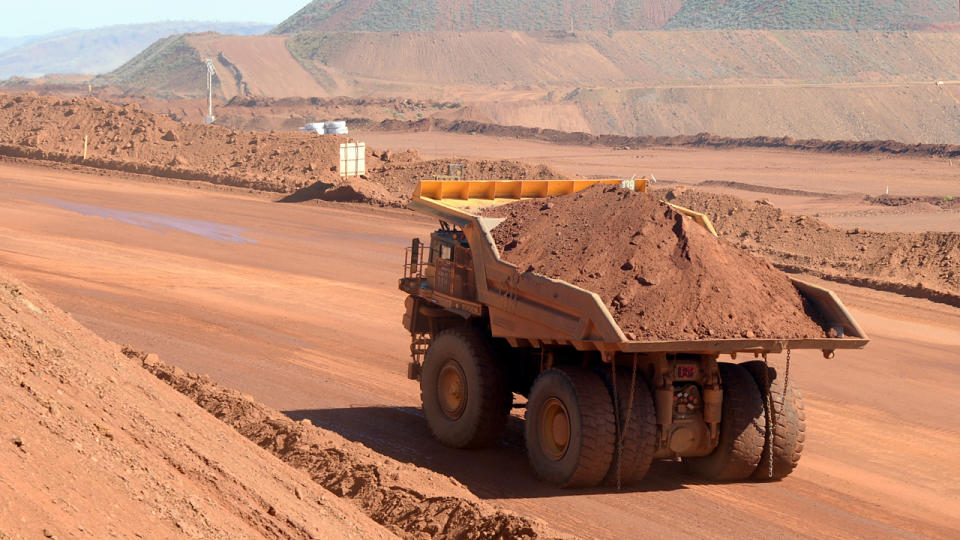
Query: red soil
(662,276)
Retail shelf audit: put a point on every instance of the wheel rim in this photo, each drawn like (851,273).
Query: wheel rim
(452,390)
(554,429)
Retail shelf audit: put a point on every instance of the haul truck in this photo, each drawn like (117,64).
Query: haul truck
(599,407)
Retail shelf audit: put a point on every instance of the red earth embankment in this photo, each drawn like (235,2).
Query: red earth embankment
(701,140)
(127,138)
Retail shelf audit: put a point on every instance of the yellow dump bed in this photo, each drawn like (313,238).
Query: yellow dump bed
(529,309)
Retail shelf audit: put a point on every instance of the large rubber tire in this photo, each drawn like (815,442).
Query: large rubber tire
(640,438)
(466,356)
(587,417)
(742,430)
(789,428)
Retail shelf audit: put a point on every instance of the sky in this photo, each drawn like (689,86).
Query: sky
(37,17)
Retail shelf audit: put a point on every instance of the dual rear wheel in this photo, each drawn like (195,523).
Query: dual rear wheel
(576,437)
(762,429)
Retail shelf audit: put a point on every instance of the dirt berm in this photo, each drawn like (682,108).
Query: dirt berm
(700,140)
(411,502)
(662,276)
(924,265)
(93,445)
(127,138)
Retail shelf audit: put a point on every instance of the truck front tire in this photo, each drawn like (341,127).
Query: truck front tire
(464,391)
(570,429)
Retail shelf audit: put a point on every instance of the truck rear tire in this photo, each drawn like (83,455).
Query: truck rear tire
(639,440)
(789,429)
(464,391)
(570,429)
(742,430)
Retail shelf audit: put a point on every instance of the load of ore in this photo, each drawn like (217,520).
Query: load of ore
(662,276)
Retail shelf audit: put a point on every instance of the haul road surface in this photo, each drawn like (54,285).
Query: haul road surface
(297,305)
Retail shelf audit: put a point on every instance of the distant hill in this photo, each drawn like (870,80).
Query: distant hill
(7,43)
(102,49)
(560,15)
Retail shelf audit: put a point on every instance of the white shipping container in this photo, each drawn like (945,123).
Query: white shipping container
(316,127)
(338,127)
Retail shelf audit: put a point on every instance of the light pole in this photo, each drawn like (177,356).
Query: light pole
(210,73)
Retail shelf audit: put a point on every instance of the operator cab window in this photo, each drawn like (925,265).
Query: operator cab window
(446,252)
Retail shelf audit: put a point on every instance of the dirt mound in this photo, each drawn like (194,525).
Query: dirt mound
(92,445)
(411,502)
(918,264)
(946,203)
(662,276)
(127,138)
(702,140)
(129,135)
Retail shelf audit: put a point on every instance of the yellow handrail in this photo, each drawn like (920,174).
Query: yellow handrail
(512,189)
(464,194)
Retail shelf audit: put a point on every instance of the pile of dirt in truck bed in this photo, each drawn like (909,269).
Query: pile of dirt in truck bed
(926,265)
(127,138)
(662,276)
(94,446)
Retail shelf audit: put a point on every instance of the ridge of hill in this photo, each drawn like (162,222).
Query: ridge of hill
(486,15)
(9,42)
(102,49)
(576,15)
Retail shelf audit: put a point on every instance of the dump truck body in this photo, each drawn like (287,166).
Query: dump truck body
(541,324)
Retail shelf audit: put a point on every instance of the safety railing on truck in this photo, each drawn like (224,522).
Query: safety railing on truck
(473,195)
(415,259)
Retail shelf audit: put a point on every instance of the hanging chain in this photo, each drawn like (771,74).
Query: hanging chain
(616,415)
(622,429)
(768,413)
(786,384)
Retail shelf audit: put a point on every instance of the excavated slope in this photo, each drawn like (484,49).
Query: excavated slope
(92,445)
(844,85)
(662,276)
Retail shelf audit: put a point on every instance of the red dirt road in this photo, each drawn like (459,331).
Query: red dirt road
(297,305)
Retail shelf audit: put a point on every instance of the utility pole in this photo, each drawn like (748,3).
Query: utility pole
(210,73)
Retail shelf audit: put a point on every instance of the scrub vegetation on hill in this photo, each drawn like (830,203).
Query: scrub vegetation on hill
(814,14)
(575,15)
